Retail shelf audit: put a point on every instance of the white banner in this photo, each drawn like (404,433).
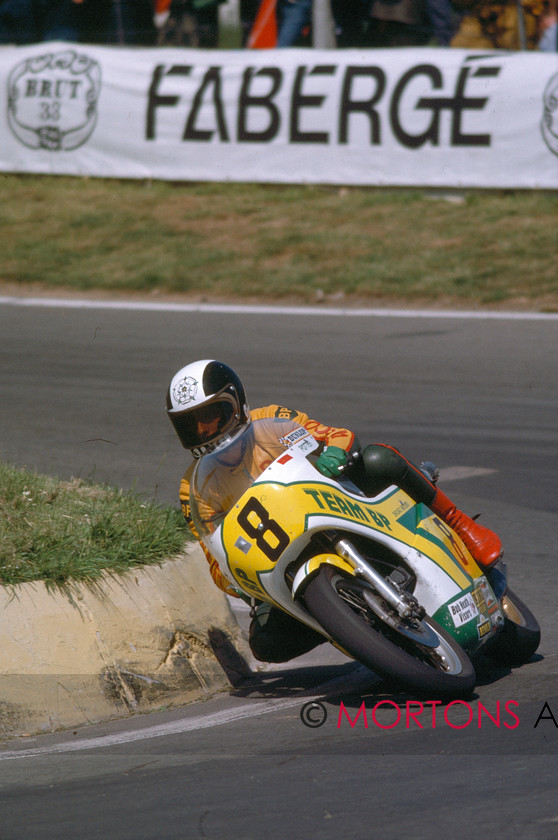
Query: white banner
(398,117)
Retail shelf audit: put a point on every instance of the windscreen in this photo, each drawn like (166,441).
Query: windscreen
(221,477)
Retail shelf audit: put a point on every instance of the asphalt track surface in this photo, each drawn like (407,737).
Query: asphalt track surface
(82,393)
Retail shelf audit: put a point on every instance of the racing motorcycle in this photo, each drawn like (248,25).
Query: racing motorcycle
(382,578)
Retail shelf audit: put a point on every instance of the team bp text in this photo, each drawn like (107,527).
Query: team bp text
(339,505)
(275,99)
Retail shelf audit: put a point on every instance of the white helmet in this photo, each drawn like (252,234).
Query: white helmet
(206,402)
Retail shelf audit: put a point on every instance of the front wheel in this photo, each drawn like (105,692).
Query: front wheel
(440,667)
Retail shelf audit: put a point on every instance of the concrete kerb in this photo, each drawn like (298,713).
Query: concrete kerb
(154,637)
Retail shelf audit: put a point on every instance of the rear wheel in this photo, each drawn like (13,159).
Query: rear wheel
(418,654)
(520,636)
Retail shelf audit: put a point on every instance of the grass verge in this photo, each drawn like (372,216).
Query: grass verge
(59,531)
(284,243)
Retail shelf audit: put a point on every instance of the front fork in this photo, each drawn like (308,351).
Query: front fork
(403,603)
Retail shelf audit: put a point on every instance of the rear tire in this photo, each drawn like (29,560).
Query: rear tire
(332,597)
(520,636)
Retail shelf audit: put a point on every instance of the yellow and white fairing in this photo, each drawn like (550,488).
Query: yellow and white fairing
(266,528)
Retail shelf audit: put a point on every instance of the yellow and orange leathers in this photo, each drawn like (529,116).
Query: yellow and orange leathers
(328,435)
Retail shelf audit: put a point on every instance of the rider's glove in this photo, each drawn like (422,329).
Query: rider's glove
(331,461)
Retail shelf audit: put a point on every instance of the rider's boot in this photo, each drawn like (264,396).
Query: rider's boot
(484,545)
(383,465)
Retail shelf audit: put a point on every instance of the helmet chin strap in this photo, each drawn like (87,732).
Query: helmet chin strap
(200,451)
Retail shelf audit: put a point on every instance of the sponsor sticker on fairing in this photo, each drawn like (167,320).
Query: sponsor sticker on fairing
(463,610)
(485,593)
(483,627)
(300,439)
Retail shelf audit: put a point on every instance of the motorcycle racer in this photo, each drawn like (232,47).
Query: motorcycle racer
(206,403)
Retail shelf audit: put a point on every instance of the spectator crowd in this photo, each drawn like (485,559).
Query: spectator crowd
(501,24)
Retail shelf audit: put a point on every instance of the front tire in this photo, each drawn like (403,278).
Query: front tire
(334,599)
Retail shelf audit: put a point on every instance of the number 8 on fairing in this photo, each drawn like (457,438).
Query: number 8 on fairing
(264,526)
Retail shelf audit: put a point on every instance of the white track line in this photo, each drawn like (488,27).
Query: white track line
(164,729)
(352,683)
(242,309)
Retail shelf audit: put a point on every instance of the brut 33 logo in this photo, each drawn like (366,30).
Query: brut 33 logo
(52,100)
